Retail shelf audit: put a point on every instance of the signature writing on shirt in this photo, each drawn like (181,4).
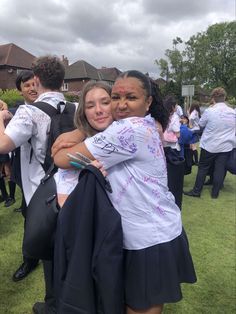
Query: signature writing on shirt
(150,179)
(108,147)
(159,210)
(126,138)
(124,188)
(128,142)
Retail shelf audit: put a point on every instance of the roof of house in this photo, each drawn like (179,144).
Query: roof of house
(81,69)
(109,74)
(12,55)
(160,81)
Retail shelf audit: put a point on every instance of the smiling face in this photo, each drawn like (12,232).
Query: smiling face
(28,91)
(129,98)
(98,108)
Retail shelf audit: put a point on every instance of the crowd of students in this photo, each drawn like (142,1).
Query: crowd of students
(140,143)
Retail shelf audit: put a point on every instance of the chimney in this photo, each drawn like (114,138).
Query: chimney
(65,61)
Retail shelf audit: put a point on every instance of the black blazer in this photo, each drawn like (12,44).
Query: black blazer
(88,250)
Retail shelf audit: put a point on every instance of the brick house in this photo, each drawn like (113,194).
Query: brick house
(109,74)
(12,60)
(80,72)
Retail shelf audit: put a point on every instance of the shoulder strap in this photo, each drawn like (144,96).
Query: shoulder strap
(50,111)
(70,105)
(49,173)
(45,107)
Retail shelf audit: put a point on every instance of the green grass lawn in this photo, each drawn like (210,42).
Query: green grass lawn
(210,225)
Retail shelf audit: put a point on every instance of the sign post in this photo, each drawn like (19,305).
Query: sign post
(188,92)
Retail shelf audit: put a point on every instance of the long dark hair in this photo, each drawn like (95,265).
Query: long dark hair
(195,106)
(156,109)
(169,103)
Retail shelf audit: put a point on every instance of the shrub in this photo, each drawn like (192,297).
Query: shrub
(11,96)
(232,101)
(72,96)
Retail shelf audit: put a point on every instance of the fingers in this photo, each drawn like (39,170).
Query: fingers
(5,116)
(99,165)
(60,145)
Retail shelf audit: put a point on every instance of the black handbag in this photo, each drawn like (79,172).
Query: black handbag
(41,219)
(231,162)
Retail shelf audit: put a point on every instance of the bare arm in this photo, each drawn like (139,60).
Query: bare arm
(6,144)
(67,140)
(61,159)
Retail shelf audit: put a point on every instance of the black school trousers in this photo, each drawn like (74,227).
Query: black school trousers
(207,160)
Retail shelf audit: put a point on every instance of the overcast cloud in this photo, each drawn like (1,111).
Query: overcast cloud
(127,34)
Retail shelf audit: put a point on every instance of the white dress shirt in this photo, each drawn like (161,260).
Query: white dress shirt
(218,122)
(194,120)
(32,123)
(132,153)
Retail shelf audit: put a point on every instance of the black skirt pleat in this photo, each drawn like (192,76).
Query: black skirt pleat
(153,275)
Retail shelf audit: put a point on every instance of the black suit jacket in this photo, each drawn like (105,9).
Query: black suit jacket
(88,250)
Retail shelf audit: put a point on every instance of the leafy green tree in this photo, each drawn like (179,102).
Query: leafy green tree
(172,68)
(164,67)
(212,56)
(208,59)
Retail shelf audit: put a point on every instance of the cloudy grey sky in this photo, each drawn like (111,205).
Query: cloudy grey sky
(127,34)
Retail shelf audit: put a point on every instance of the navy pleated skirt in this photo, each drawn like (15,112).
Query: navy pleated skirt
(153,275)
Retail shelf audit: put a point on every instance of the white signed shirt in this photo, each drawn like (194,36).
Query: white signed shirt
(32,123)
(132,153)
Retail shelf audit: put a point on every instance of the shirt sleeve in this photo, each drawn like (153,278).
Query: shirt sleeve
(20,128)
(175,124)
(203,120)
(114,145)
(180,110)
(191,117)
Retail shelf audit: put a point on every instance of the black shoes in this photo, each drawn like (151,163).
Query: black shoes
(23,271)
(39,308)
(214,195)
(192,193)
(9,201)
(42,308)
(18,210)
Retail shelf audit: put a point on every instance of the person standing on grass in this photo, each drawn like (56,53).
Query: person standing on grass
(175,163)
(26,86)
(217,141)
(31,123)
(5,172)
(157,257)
(194,117)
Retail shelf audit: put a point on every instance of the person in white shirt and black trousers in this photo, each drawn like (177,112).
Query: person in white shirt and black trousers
(30,122)
(26,87)
(217,141)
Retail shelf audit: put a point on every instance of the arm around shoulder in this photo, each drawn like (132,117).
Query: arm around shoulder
(66,140)
(62,160)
